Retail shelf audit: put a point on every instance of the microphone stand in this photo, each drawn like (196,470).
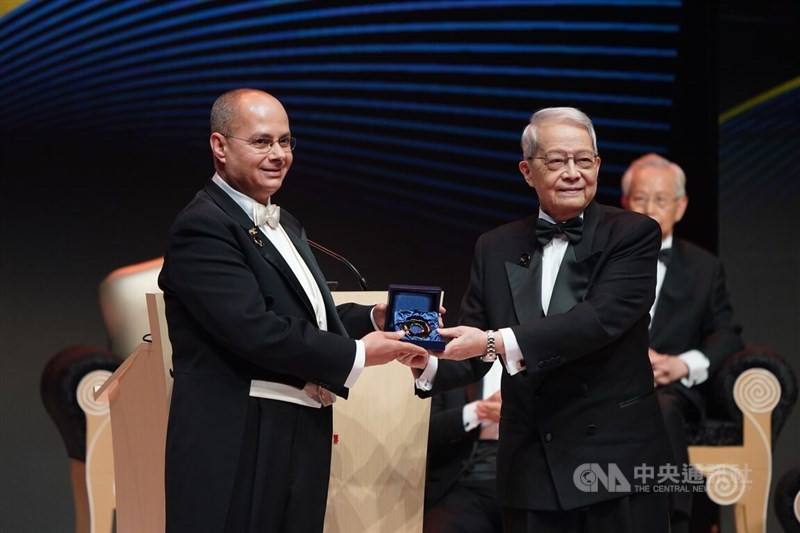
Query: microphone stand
(341,259)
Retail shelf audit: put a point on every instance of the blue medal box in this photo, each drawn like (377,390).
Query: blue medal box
(415,310)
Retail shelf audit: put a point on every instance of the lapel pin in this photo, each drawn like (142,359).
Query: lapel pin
(525,260)
(254,235)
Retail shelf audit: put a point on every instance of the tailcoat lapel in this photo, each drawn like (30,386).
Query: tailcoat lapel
(264,246)
(525,277)
(294,230)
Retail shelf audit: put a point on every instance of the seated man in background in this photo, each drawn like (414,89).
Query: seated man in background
(461,481)
(692,328)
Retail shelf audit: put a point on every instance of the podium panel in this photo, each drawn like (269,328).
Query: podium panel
(380,440)
(378,459)
(137,396)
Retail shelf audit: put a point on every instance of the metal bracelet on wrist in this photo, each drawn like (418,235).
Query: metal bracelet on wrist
(491,350)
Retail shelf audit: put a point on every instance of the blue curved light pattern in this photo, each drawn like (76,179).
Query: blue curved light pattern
(407,96)
(758,155)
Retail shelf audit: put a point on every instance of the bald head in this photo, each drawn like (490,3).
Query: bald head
(656,187)
(653,160)
(229,106)
(251,142)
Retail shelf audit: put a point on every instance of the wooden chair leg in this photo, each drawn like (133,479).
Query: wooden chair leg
(751,510)
(80,501)
(756,393)
(740,518)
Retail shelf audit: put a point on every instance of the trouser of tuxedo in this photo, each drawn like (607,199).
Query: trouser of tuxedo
(675,408)
(469,507)
(636,513)
(281,482)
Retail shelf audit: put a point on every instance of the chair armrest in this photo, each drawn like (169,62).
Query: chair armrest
(59,386)
(721,386)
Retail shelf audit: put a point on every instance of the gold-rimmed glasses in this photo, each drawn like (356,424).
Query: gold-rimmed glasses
(556,160)
(263,145)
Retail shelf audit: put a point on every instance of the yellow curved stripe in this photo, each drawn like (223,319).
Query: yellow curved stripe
(8,5)
(760,99)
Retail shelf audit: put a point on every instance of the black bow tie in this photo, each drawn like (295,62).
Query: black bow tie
(572,230)
(664,255)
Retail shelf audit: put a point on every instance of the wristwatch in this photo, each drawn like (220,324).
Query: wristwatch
(491,350)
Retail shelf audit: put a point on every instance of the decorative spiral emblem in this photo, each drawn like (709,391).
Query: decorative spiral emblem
(797,506)
(86,388)
(757,390)
(725,484)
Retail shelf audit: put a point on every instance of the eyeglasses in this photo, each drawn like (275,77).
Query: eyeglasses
(558,160)
(661,202)
(263,145)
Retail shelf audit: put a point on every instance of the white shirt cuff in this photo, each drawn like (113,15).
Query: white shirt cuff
(513,360)
(425,380)
(358,364)
(372,319)
(698,365)
(469,415)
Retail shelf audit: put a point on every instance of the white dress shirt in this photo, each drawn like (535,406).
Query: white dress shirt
(696,361)
(469,414)
(552,255)
(282,242)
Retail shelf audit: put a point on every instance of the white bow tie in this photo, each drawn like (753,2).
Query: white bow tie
(269,214)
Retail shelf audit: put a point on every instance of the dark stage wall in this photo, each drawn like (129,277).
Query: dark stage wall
(759,189)
(408,116)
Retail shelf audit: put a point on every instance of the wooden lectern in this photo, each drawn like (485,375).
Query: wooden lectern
(380,440)
(379,453)
(138,397)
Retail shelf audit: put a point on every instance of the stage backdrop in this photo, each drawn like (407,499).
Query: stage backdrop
(407,114)
(759,193)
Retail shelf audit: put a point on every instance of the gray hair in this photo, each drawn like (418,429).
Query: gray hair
(656,161)
(224,109)
(569,115)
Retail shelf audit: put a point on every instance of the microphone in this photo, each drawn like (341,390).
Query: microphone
(342,259)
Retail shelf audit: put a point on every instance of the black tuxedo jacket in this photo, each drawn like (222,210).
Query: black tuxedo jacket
(693,311)
(236,312)
(587,394)
(449,446)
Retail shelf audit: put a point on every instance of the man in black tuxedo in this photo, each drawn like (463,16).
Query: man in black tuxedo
(569,290)
(461,479)
(259,349)
(692,328)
